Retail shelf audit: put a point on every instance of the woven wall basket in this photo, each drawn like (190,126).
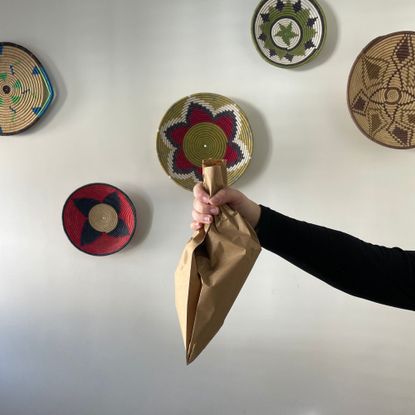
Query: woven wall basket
(25,89)
(200,127)
(288,33)
(99,219)
(381,90)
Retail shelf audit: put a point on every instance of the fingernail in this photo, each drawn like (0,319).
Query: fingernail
(205,199)
(208,218)
(214,211)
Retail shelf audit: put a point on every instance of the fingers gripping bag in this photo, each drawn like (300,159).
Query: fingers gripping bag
(213,268)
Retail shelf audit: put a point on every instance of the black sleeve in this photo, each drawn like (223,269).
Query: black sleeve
(376,273)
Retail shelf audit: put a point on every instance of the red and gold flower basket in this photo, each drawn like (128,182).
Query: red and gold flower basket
(99,219)
(200,127)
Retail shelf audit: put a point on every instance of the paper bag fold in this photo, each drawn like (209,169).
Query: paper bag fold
(213,268)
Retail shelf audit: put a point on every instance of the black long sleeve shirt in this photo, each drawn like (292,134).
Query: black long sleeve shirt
(376,273)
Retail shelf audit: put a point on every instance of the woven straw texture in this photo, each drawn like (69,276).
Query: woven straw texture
(99,219)
(288,33)
(103,218)
(200,127)
(25,89)
(381,90)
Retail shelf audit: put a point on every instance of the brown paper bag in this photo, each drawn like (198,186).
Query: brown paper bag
(213,268)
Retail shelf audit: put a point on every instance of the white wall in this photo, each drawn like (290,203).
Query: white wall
(85,335)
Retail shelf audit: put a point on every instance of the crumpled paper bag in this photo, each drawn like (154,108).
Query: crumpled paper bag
(213,268)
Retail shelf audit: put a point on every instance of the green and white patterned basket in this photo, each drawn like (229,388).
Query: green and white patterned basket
(288,33)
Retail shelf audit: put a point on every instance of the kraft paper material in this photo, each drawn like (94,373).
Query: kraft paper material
(213,268)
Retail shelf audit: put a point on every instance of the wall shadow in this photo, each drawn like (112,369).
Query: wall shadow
(59,88)
(332,36)
(262,143)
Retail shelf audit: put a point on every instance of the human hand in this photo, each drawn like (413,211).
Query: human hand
(204,206)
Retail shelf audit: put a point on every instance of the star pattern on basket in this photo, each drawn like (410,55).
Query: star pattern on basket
(89,234)
(387,96)
(286,33)
(196,111)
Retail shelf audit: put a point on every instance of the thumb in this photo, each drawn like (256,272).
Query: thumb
(227,195)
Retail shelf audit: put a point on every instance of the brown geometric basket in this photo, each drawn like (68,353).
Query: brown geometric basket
(381,90)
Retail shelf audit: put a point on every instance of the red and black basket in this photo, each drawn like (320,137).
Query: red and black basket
(99,219)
